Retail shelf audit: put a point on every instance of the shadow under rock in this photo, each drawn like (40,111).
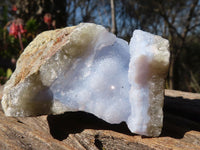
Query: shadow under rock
(75,122)
(180,115)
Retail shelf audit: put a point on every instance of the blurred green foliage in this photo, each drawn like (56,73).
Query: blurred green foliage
(9,46)
(8,73)
(32,27)
(2,76)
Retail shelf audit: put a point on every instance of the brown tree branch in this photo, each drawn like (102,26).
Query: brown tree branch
(194,26)
(189,18)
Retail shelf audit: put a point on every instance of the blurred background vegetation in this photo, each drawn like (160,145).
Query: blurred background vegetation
(178,21)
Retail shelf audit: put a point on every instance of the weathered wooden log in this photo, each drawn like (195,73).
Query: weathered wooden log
(79,130)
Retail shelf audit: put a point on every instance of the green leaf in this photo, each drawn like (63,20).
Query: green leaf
(8,73)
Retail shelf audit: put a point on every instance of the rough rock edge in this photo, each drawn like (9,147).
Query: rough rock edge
(45,47)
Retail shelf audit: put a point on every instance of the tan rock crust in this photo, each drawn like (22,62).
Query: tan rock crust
(39,51)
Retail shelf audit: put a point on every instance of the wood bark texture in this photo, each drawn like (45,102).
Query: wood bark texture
(83,131)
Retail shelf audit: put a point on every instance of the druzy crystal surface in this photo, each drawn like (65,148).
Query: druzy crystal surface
(86,68)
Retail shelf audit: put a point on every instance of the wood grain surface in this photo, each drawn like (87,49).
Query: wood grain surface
(83,131)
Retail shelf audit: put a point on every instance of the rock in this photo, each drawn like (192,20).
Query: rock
(148,68)
(86,68)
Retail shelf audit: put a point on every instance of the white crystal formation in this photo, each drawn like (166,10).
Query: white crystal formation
(86,68)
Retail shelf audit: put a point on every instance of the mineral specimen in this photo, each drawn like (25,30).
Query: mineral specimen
(86,68)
